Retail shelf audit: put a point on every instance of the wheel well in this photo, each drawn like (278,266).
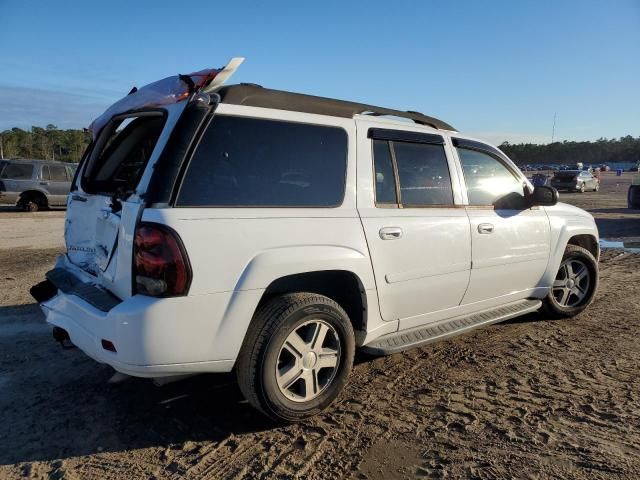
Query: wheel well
(587,242)
(341,286)
(36,196)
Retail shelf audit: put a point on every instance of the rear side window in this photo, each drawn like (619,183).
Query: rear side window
(251,162)
(17,171)
(422,174)
(122,155)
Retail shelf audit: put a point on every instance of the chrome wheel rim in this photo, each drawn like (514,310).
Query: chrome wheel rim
(572,283)
(308,361)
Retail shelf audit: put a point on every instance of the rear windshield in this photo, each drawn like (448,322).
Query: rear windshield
(17,171)
(122,154)
(252,162)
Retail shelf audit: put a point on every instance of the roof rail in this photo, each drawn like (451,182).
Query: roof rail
(257,96)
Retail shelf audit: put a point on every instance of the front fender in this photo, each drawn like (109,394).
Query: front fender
(563,228)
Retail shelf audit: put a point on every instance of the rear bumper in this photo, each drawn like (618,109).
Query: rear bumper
(565,186)
(153,337)
(144,331)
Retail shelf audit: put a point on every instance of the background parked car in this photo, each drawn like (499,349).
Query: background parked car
(575,180)
(35,184)
(540,180)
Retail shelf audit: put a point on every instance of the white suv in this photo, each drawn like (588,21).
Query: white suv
(214,228)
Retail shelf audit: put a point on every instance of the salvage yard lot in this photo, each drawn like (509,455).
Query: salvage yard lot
(527,398)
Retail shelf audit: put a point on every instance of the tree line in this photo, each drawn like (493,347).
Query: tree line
(624,149)
(51,143)
(48,143)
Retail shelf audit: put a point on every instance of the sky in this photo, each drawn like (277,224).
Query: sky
(498,70)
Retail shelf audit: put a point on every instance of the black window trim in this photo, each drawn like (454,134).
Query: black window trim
(394,165)
(466,144)
(404,136)
(176,194)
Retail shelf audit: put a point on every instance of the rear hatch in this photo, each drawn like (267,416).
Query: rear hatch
(111,187)
(106,199)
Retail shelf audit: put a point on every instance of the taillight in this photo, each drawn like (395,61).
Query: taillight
(161,266)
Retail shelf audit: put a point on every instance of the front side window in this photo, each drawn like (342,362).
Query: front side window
(489,181)
(422,171)
(17,171)
(252,162)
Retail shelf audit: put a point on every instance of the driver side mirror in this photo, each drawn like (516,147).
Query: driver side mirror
(544,196)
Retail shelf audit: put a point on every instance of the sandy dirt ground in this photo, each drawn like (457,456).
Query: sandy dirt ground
(529,398)
(31,230)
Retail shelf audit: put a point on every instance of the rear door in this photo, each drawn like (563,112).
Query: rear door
(416,229)
(106,199)
(510,242)
(58,183)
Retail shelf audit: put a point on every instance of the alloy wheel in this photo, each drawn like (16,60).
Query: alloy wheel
(572,283)
(308,360)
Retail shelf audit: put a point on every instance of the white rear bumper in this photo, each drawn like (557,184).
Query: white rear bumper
(153,337)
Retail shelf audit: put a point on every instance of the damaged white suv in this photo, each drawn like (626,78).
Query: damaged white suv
(214,228)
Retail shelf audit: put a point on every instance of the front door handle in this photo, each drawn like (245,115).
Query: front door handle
(485,228)
(390,233)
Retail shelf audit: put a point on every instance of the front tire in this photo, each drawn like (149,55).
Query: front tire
(575,285)
(296,356)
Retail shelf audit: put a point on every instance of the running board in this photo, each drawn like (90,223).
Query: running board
(405,339)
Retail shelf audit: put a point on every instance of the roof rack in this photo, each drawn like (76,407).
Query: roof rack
(256,96)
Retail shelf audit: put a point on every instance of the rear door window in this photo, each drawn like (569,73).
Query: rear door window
(17,171)
(252,162)
(418,172)
(58,173)
(123,151)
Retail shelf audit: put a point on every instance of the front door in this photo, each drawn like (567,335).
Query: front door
(418,235)
(510,242)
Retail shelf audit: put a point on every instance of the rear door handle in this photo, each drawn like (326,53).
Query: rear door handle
(485,228)
(390,233)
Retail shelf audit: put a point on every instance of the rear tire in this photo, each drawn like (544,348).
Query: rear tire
(296,357)
(32,202)
(575,285)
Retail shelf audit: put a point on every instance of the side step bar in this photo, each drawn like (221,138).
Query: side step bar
(405,339)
